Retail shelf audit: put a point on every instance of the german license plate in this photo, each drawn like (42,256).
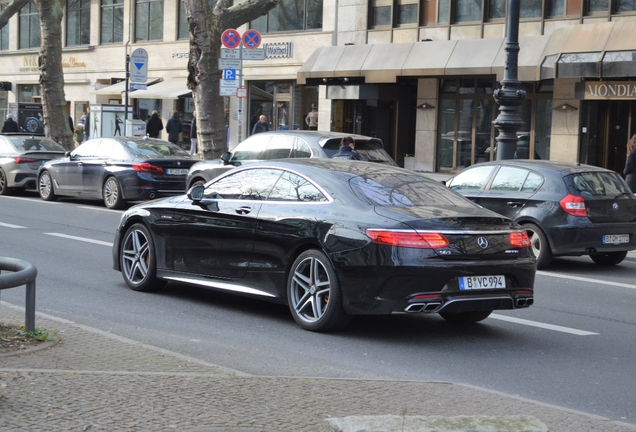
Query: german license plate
(615,238)
(176,171)
(481,282)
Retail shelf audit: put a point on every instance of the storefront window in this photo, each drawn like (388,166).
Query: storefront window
(291,15)
(543,130)
(78,21)
(29,27)
(149,20)
(112,30)
(625,6)
(282,103)
(29,92)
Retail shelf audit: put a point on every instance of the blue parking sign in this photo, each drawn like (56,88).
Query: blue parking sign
(229,74)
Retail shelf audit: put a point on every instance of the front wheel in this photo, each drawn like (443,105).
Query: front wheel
(609,258)
(112,194)
(314,295)
(45,187)
(539,244)
(465,317)
(138,260)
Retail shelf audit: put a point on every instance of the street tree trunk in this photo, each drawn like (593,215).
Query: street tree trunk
(56,125)
(206,27)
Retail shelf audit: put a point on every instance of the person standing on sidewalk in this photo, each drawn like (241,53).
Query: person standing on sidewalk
(261,125)
(630,164)
(10,125)
(193,134)
(87,124)
(174,127)
(154,126)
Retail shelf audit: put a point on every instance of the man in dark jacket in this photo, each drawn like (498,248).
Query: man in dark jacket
(174,127)
(261,125)
(154,126)
(87,124)
(10,125)
(346,150)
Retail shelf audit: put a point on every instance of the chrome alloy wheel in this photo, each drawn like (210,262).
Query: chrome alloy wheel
(111,193)
(135,256)
(310,289)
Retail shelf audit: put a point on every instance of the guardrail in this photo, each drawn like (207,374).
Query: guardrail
(24,273)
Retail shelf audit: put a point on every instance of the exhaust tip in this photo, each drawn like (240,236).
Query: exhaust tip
(415,307)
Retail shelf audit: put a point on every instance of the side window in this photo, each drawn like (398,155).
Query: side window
(104,149)
(509,179)
(292,187)
(251,148)
(533,182)
(302,149)
(251,184)
(5,148)
(280,147)
(89,149)
(471,179)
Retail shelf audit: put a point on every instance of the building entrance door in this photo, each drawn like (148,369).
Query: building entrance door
(607,126)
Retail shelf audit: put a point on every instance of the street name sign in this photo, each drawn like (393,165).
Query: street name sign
(138,86)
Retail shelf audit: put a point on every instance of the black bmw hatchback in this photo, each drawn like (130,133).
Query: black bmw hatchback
(331,239)
(566,208)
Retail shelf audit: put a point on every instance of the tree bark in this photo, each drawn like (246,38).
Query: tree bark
(207,24)
(56,125)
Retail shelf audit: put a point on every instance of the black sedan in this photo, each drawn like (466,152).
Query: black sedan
(117,169)
(331,239)
(566,208)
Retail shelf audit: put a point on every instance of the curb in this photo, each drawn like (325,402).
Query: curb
(49,343)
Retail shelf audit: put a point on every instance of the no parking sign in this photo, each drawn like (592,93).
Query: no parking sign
(251,39)
(231,39)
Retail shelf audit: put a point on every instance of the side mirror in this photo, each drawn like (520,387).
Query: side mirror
(196,193)
(67,154)
(225,157)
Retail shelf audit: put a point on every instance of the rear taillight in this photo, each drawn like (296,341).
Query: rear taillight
(519,239)
(21,160)
(409,239)
(146,167)
(573,205)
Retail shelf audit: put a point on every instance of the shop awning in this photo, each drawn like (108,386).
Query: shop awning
(170,88)
(383,63)
(119,88)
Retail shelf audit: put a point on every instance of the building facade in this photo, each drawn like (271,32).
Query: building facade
(419,74)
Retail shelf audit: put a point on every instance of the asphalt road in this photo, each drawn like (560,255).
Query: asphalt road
(573,348)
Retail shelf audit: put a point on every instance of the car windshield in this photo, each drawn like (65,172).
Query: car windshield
(406,190)
(599,184)
(154,148)
(34,143)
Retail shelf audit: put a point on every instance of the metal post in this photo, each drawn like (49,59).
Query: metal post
(510,95)
(29,316)
(127,78)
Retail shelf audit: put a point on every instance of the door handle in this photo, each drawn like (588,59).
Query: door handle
(244,210)
(513,203)
(80,164)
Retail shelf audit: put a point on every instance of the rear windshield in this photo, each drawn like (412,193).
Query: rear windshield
(597,184)
(152,149)
(371,151)
(406,190)
(35,144)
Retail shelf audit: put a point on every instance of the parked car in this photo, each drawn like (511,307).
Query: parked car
(117,169)
(331,239)
(286,144)
(566,208)
(20,158)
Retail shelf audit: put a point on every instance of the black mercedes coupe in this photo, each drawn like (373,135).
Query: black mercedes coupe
(331,239)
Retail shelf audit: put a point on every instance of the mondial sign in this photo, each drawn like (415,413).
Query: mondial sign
(610,90)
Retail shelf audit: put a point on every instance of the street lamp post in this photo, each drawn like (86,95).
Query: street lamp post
(510,95)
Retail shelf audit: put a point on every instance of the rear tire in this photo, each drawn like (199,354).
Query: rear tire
(4,182)
(138,260)
(539,245)
(608,259)
(45,187)
(465,317)
(111,192)
(314,295)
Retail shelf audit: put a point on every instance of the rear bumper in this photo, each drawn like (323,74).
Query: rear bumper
(585,239)
(145,187)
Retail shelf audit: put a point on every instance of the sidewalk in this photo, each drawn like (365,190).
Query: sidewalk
(91,380)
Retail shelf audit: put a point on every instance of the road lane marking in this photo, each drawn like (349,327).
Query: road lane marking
(10,225)
(582,279)
(100,209)
(542,325)
(87,240)
(31,200)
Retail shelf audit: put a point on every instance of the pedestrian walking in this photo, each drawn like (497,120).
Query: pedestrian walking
(261,125)
(347,150)
(193,134)
(154,125)
(10,125)
(630,164)
(87,124)
(174,127)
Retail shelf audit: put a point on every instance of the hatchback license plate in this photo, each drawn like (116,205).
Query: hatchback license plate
(615,238)
(482,282)
(176,171)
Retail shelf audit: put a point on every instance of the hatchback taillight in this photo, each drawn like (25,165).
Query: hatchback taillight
(409,239)
(146,167)
(21,160)
(573,205)
(519,239)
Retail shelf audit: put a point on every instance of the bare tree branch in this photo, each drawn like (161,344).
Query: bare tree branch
(10,9)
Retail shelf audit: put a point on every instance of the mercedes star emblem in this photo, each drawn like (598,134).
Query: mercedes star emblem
(482,242)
